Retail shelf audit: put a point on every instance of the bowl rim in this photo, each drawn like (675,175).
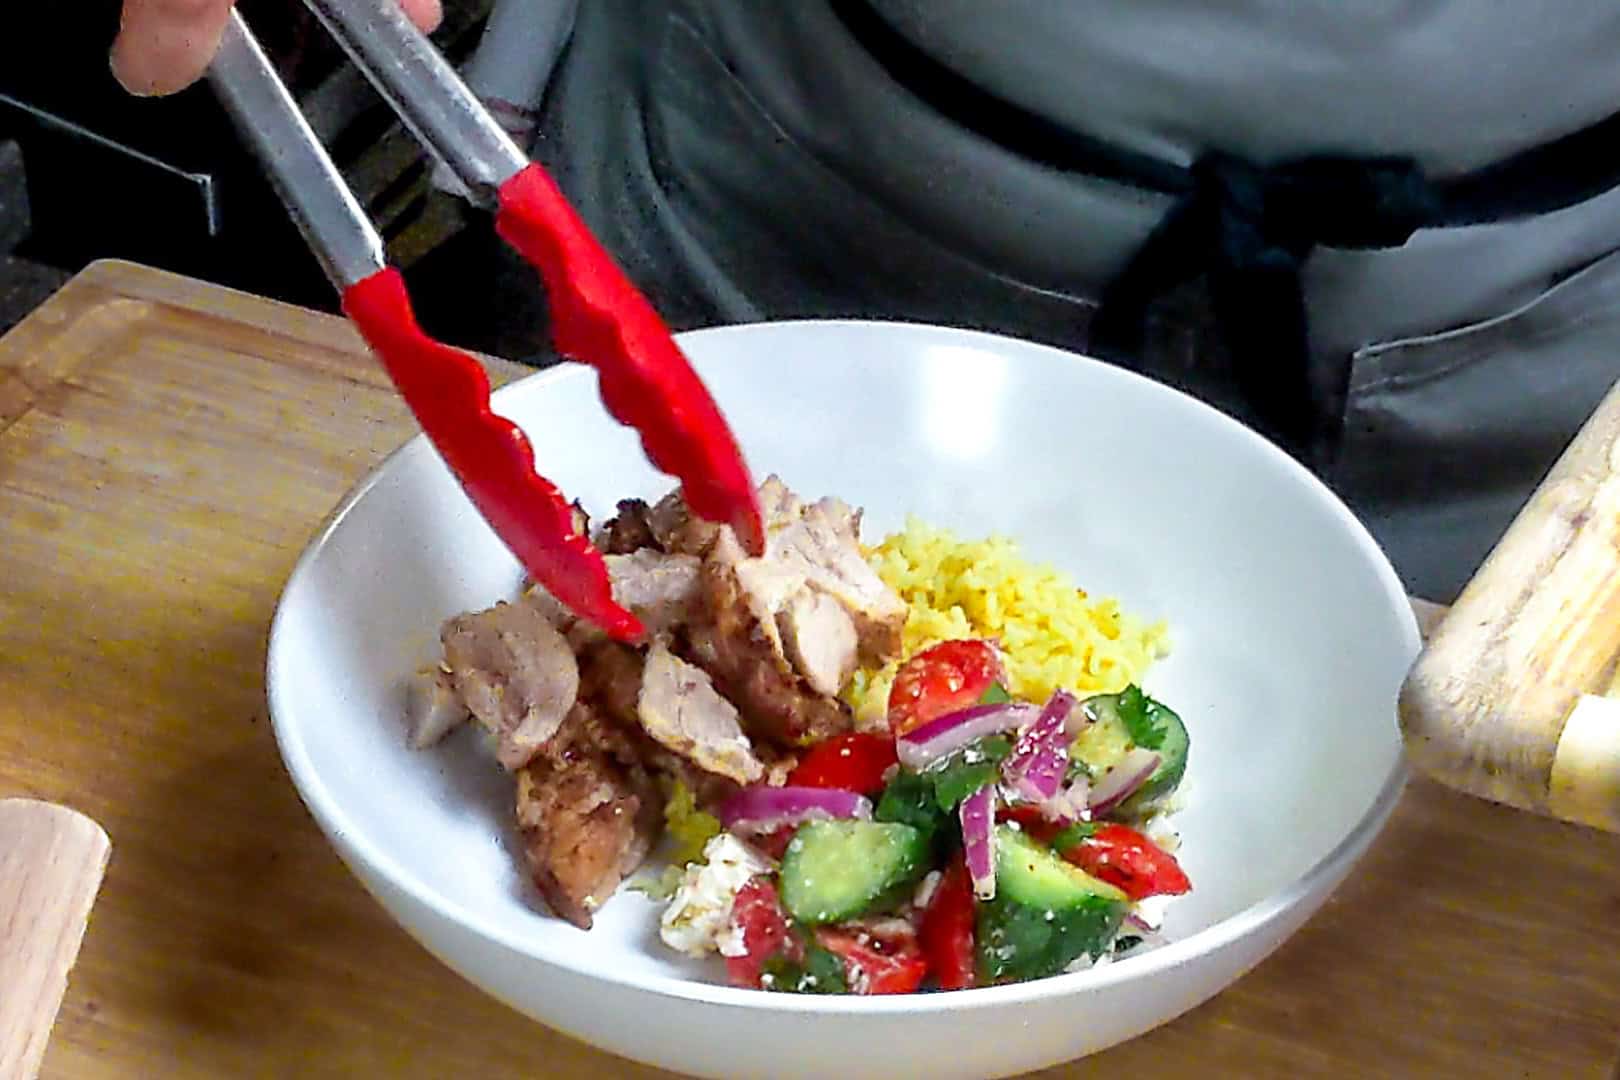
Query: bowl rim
(352,843)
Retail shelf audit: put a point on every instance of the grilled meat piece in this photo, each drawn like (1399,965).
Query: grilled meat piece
(810,608)
(679,707)
(677,529)
(589,813)
(434,709)
(744,656)
(821,544)
(819,638)
(514,672)
(747,658)
(629,531)
(661,590)
(610,680)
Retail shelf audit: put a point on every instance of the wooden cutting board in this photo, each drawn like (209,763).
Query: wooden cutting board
(167,448)
(1516,697)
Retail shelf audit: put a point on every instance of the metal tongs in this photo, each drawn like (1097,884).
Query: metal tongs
(598,316)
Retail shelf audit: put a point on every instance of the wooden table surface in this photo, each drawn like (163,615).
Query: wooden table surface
(166,449)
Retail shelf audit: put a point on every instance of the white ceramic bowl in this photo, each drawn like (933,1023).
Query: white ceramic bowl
(1291,636)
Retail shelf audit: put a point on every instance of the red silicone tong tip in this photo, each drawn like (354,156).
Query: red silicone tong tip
(448,391)
(646,382)
(750,528)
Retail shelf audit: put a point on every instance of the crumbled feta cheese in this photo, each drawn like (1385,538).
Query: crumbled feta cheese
(1160,827)
(730,940)
(1085,962)
(697,920)
(1151,910)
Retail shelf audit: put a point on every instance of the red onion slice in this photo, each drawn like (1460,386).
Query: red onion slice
(1078,720)
(1040,757)
(763,809)
(1122,781)
(978,815)
(1152,937)
(944,735)
(1137,922)
(1070,804)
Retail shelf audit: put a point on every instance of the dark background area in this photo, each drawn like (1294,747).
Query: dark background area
(68,198)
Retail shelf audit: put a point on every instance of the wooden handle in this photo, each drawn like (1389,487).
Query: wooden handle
(51,862)
(1490,707)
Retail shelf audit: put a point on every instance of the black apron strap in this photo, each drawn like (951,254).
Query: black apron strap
(1248,231)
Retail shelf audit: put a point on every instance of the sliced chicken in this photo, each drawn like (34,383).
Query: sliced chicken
(610,680)
(820,640)
(781,639)
(514,672)
(659,589)
(813,550)
(776,705)
(747,661)
(745,657)
(810,630)
(434,708)
(680,708)
(662,590)
(589,814)
(823,545)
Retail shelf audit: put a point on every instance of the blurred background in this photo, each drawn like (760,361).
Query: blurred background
(88,172)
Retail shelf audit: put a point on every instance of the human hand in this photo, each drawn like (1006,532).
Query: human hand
(164,46)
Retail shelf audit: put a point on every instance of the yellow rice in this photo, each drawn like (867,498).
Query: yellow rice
(1051,633)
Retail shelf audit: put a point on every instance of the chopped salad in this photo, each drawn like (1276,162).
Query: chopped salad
(979,840)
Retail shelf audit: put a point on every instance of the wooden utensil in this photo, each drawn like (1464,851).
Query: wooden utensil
(51,862)
(1515,697)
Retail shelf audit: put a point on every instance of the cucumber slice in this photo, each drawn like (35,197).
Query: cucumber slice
(836,870)
(1172,766)
(1017,943)
(1131,718)
(1034,876)
(1045,914)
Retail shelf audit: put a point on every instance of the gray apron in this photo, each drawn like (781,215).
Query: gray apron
(750,161)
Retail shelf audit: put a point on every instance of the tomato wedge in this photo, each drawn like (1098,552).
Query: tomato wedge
(757,914)
(942,679)
(854,762)
(888,963)
(1130,861)
(947,929)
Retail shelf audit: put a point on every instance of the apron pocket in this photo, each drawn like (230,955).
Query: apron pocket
(1445,436)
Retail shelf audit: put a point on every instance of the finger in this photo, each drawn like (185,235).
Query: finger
(166,45)
(426,14)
